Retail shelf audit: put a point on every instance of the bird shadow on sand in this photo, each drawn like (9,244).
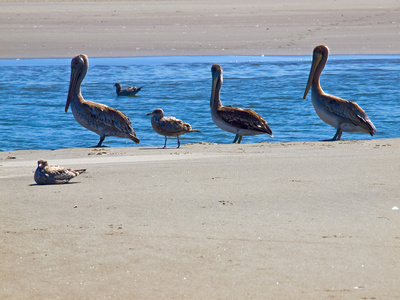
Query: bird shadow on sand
(99,147)
(157,148)
(67,183)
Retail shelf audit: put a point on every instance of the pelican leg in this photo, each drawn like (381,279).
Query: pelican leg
(240,139)
(336,137)
(165,144)
(236,138)
(179,143)
(102,137)
(340,135)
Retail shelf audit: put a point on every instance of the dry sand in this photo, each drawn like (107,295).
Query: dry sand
(252,221)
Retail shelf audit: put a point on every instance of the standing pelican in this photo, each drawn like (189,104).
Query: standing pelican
(169,126)
(99,118)
(46,174)
(342,114)
(130,91)
(232,119)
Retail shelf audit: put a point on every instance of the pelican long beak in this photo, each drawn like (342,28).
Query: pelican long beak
(316,60)
(71,90)
(217,79)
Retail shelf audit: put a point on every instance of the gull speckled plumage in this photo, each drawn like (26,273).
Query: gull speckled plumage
(169,126)
(345,116)
(242,122)
(46,174)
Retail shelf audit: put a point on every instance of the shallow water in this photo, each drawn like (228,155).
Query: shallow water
(33,94)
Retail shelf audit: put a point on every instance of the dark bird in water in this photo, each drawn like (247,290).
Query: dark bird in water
(99,118)
(169,126)
(46,174)
(344,115)
(242,122)
(129,92)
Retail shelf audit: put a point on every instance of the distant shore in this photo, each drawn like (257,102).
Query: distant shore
(54,29)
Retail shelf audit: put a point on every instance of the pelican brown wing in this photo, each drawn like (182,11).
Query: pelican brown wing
(109,117)
(348,112)
(244,119)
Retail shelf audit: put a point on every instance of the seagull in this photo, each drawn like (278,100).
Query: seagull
(169,126)
(130,91)
(46,174)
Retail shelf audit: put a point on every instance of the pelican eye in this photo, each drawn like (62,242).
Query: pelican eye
(78,61)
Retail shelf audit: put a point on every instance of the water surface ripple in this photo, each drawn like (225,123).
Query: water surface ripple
(33,94)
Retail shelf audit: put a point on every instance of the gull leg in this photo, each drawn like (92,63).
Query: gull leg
(165,144)
(179,143)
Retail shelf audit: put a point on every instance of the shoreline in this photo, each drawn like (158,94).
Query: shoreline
(372,55)
(254,144)
(211,55)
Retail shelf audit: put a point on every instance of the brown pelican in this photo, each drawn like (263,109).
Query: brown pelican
(130,91)
(99,118)
(342,114)
(169,126)
(242,122)
(46,174)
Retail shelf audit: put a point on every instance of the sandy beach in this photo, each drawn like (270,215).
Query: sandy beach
(207,221)
(312,220)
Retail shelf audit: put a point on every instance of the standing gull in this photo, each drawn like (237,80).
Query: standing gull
(46,174)
(242,122)
(169,126)
(342,114)
(129,91)
(99,118)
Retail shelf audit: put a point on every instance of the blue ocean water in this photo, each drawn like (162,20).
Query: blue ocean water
(33,93)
